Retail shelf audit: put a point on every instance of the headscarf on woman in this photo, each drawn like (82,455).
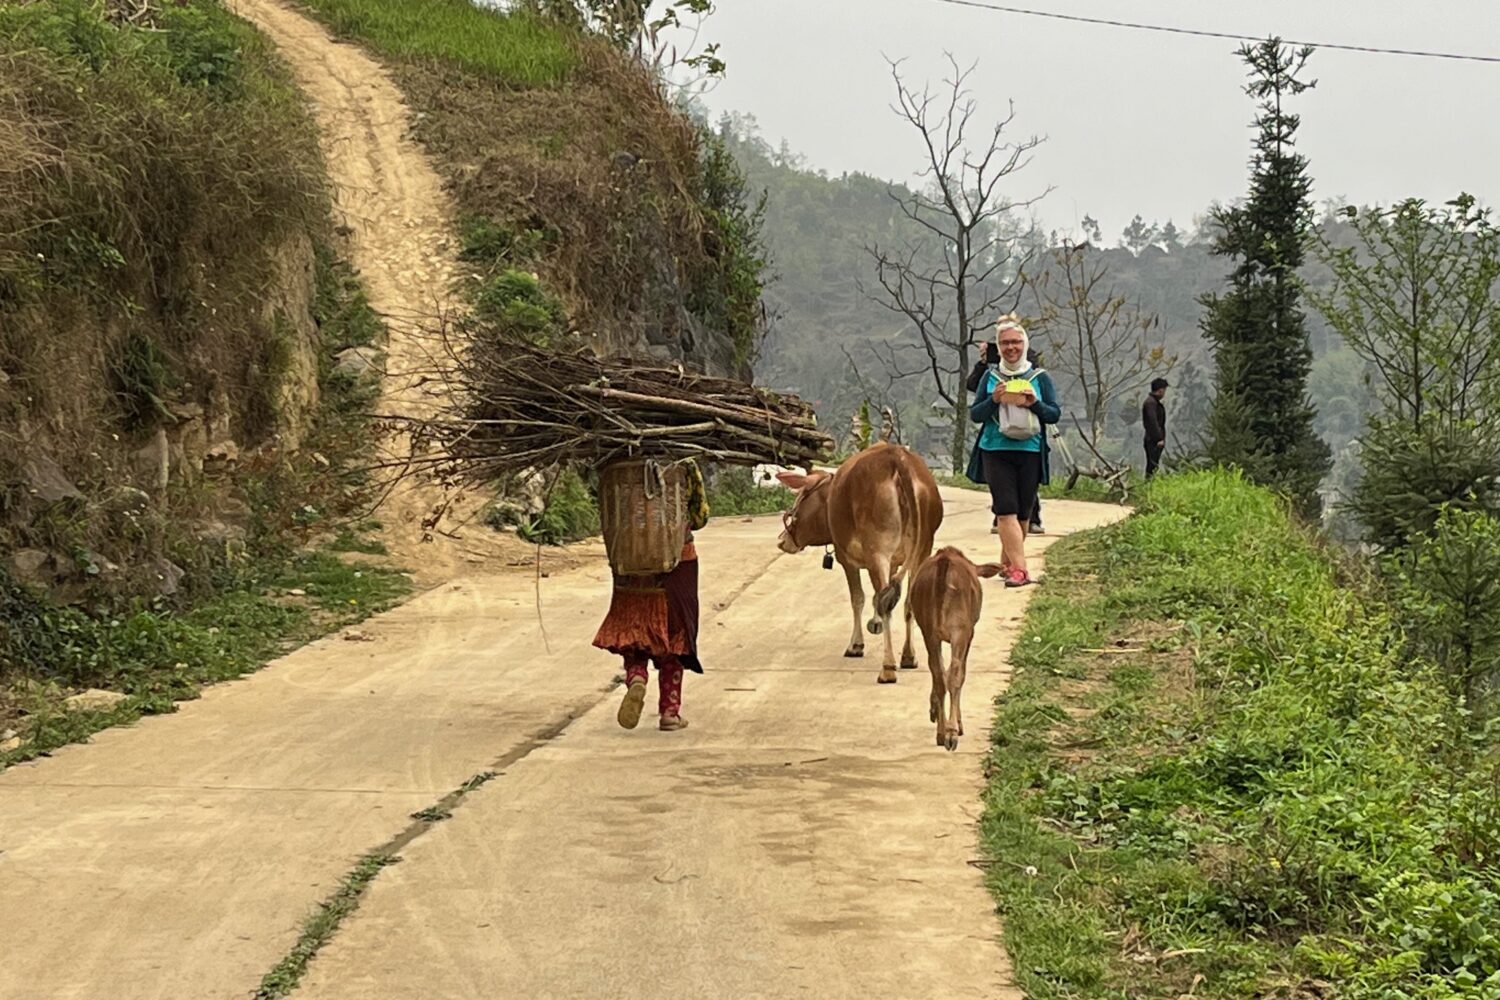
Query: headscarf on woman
(1013,322)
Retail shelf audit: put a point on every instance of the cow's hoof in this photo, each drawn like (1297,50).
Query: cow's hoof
(942,740)
(952,741)
(887,676)
(854,652)
(908,664)
(875,626)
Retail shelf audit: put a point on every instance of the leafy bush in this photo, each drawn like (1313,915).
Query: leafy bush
(494,244)
(727,293)
(515,305)
(199,54)
(1411,473)
(570,513)
(733,493)
(144,377)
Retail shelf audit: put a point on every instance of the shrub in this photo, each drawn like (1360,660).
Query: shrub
(570,513)
(1411,473)
(1447,585)
(734,493)
(514,304)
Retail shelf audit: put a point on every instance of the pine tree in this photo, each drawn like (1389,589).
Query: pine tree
(1262,419)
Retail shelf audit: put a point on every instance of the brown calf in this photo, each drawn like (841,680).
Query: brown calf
(946,599)
(880,512)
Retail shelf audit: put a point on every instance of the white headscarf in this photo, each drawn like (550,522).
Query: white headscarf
(1012,322)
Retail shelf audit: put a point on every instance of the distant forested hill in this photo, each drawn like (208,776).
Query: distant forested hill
(826,328)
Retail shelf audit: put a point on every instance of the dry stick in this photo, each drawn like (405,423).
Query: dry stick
(683,405)
(546,642)
(707,425)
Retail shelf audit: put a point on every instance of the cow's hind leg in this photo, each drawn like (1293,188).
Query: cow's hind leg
(857,602)
(935,705)
(880,581)
(958,665)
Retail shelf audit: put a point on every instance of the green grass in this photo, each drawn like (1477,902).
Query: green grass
(320,927)
(357,540)
(158,657)
(518,50)
(1261,791)
(1085,489)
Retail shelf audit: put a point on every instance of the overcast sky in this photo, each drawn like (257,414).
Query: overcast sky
(1135,122)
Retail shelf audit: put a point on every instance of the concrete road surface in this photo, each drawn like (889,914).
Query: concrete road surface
(803,838)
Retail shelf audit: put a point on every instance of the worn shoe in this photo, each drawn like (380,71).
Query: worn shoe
(1036,528)
(635,701)
(1018,578)
(672,723)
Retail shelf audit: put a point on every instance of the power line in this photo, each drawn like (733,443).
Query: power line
(1053,15)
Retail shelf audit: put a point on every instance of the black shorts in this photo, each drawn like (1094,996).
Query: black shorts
(1013,478)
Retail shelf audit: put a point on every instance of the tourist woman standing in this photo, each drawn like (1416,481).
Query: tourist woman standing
(1013,405)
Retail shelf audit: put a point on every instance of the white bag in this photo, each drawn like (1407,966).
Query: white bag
(1017,422)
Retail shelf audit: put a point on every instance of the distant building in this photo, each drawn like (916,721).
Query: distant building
(934,438)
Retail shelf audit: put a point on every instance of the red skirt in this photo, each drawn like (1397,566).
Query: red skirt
(656,615)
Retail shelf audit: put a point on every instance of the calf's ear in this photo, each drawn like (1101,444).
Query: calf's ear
(990,569)
(791,480)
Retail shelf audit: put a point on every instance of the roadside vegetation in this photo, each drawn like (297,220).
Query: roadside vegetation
(593,209)
(175,426)
(1221,772)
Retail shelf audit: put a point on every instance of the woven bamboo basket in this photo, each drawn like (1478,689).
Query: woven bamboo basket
(643,511)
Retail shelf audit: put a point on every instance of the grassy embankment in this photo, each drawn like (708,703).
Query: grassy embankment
(1217,774)
(153,177)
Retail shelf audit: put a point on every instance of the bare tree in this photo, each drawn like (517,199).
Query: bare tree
(949,279)
(1105,347)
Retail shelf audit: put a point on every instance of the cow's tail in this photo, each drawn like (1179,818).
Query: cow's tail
(906,502)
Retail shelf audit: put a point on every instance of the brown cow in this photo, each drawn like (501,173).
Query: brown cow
(946,598)
(879,511)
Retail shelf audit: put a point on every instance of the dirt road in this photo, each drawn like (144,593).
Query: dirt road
(803,838)
(399,219)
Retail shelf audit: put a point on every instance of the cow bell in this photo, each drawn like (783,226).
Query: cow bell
(828,559)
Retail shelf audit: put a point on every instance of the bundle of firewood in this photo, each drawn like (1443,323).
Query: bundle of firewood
(513,407)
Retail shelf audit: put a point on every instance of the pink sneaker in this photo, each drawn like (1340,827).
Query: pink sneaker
(1018,578)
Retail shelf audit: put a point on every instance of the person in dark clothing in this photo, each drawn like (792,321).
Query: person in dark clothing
(1154,422)
(1035,528)
(988,358)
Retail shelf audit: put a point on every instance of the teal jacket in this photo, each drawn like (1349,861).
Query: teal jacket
(984,411)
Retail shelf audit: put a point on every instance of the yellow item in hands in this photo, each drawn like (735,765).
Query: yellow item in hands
(1019,385)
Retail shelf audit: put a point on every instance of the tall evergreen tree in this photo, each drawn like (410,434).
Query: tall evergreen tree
(1262,419)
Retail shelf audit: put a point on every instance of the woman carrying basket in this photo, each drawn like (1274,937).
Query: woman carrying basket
(655,618)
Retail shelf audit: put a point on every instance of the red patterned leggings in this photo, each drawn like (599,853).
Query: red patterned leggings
(668,675)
